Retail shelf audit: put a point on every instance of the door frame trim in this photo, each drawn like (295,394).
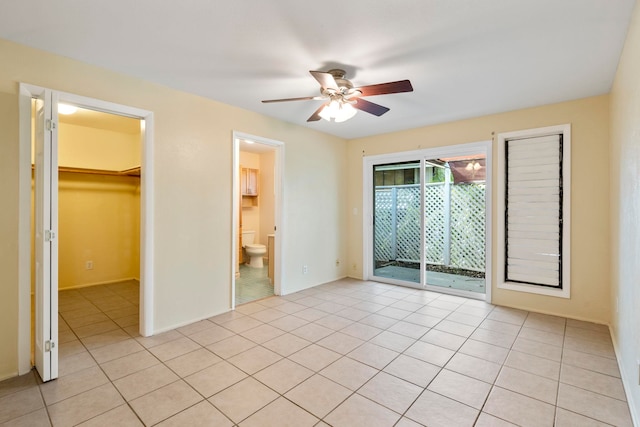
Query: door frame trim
(279,287)
(368,162)
(26,92)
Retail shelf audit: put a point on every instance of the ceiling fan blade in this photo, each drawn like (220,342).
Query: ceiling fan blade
(326,80)
(316,116)
(304,98)
(386,88)
(370,107)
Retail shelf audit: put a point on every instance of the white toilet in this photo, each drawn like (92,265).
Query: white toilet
(255,251)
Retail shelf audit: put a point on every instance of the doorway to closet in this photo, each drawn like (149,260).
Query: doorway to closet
(89,241)
(430,219)
(98,234)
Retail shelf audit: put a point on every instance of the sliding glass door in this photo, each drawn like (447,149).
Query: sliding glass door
(454,219)
(396,216)
(429,216)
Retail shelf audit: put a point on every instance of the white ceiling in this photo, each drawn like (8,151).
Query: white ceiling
(465,58)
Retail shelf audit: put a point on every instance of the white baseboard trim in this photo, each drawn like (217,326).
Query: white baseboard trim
(553,313)
(188,322)
(311,286)
(293,291)
(10,375)
(107,282)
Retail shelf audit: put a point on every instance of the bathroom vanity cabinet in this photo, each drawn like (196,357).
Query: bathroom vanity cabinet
(249,186)
(249,182)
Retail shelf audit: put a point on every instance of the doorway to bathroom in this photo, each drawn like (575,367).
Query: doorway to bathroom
(257,197)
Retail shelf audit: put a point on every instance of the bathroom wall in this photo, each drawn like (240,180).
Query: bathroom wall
(261,218)
(267,195)
(251,214)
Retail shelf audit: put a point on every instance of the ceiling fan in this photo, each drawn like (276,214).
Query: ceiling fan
(343,99)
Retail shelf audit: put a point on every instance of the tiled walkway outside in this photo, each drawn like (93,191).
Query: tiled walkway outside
(434,278)
(348,353)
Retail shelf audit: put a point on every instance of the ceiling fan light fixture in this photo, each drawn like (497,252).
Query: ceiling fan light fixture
(330,110)
(343,99)
(346,112)
(338,110)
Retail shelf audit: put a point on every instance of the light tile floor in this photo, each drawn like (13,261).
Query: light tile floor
(347,353)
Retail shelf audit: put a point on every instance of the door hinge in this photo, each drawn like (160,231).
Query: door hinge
(48,345)
(50,125)
(49,235)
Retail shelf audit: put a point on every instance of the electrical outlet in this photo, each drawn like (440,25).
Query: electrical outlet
(305,269)
(89,265)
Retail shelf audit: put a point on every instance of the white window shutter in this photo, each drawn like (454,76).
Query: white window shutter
(533,211)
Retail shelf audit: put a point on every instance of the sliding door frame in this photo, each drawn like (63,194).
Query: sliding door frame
(368,163)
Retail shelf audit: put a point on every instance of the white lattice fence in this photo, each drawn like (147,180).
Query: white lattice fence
(467,226)
(397,224)
(383,225)
(434,212)
(408,223)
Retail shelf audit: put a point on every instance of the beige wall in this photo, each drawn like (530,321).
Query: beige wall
(625,213)
(267,195)
(8,235)
(192,190)
(99,222)
(589,121)
(93,148)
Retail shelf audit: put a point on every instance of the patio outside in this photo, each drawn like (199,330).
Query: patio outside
(454,233)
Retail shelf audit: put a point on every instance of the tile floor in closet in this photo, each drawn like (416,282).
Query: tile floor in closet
(347,353)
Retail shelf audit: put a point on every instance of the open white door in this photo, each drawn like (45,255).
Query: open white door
(46,229)
(45,180)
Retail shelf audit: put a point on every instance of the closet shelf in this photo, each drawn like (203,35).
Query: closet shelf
(127,172)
